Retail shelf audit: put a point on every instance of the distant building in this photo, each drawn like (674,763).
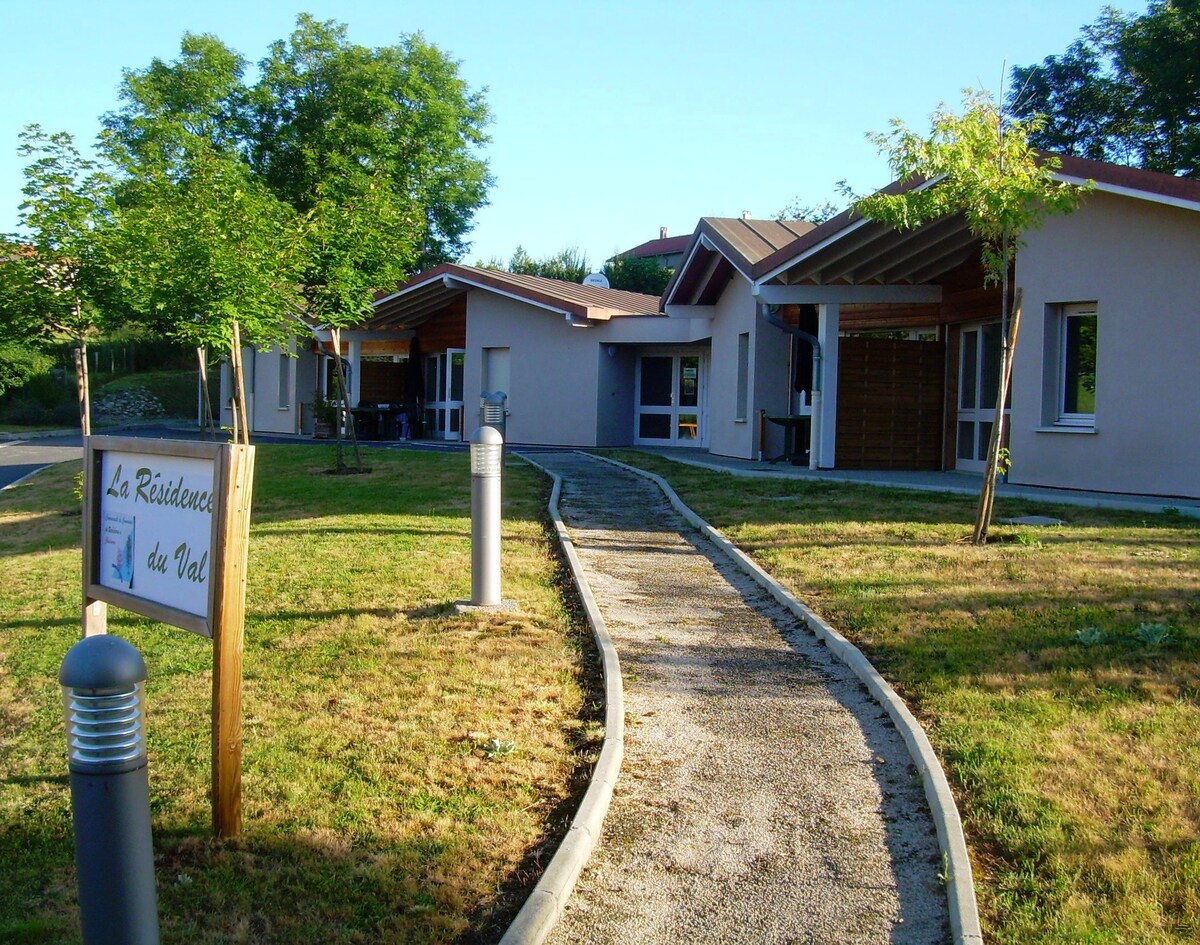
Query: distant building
(667,251)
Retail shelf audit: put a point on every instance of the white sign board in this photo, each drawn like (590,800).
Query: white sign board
(156,528)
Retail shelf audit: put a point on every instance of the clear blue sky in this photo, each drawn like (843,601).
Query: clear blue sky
(609,119)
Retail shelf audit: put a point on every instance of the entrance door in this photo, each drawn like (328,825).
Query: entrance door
(979,379)
(444,394)
(670,400)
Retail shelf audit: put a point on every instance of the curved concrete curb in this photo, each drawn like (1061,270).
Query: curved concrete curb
(960,886)
(541,910)
(28,475)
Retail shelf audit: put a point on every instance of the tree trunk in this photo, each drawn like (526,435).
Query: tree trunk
(81,386)
(209,421)
(344,411)
(239,386)
(987,495)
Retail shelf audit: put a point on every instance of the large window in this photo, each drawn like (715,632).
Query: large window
(1077,365)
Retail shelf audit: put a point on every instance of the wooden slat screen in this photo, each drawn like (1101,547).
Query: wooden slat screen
(891,403)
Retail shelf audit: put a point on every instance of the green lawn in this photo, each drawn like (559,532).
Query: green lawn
(1069,725)
(376,807)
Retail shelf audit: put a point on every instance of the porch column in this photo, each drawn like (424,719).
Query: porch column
(355,358)
(824,428)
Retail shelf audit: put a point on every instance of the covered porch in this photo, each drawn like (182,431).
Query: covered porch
(893,344)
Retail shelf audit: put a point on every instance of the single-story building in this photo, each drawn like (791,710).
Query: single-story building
(845,345)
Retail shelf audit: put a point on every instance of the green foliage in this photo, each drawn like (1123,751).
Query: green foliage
(1090,636)
(19,363)
(567,265)
(339,172)
(816,213)
(1153,634)
(353,247)
(637,274)
(49,277)
(331,119)
(979,164)
(1125,91)
(205,246)
(172,110)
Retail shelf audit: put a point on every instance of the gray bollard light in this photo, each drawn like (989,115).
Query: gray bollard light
(103,681)
(487,457)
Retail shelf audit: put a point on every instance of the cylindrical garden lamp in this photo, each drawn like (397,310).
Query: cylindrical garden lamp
(103,679)
(487,460)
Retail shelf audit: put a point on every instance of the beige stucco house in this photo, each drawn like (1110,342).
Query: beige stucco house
(905,336)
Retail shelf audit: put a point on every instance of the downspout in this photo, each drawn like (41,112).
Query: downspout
(768,313)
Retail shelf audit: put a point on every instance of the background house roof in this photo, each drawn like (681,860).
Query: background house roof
(424,294)
(666,246)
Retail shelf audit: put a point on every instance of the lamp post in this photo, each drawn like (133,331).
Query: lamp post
(487,454)
(103,680)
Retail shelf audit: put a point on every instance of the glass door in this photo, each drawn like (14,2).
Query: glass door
(670,400)
(978,384)
(444,394)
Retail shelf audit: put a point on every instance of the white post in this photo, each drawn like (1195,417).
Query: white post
(487,456)
(825,411)
(355,358)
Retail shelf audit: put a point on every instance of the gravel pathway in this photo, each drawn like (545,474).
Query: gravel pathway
(764,797)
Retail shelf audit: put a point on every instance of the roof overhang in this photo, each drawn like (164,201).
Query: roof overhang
(846,294)
(432,291)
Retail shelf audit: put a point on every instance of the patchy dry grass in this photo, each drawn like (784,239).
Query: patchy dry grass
(373,809)
(1075,754)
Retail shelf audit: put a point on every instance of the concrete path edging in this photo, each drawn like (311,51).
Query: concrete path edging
(544,905)
(960,886)
(28,475)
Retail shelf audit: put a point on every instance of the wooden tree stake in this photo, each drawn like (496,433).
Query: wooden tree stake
(228,628)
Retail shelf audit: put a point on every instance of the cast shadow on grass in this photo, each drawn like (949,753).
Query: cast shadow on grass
(303,886)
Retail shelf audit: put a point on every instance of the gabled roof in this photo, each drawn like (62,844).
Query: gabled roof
(719,247)
(665,246)
(850,248)
(423,295)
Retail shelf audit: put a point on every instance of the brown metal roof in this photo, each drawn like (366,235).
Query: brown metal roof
(416,300)
(878,241)
(722,245)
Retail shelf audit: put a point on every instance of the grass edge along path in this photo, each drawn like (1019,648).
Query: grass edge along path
(407,771)
(1055,672)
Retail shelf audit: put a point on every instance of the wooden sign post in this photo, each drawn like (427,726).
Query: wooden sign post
(166,532)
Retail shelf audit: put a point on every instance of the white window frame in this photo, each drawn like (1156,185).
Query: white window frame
(1066,313)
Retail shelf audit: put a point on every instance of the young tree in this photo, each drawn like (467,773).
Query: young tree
(1126,91)
(211,259)
(49,282)
(372,150)
(354,245)
(983,167)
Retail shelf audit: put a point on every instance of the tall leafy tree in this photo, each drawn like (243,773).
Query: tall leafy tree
(1128,90)
(49,280)
(982,166)
(331,118)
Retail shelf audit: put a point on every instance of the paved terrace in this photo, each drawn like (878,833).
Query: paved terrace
(953,481)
